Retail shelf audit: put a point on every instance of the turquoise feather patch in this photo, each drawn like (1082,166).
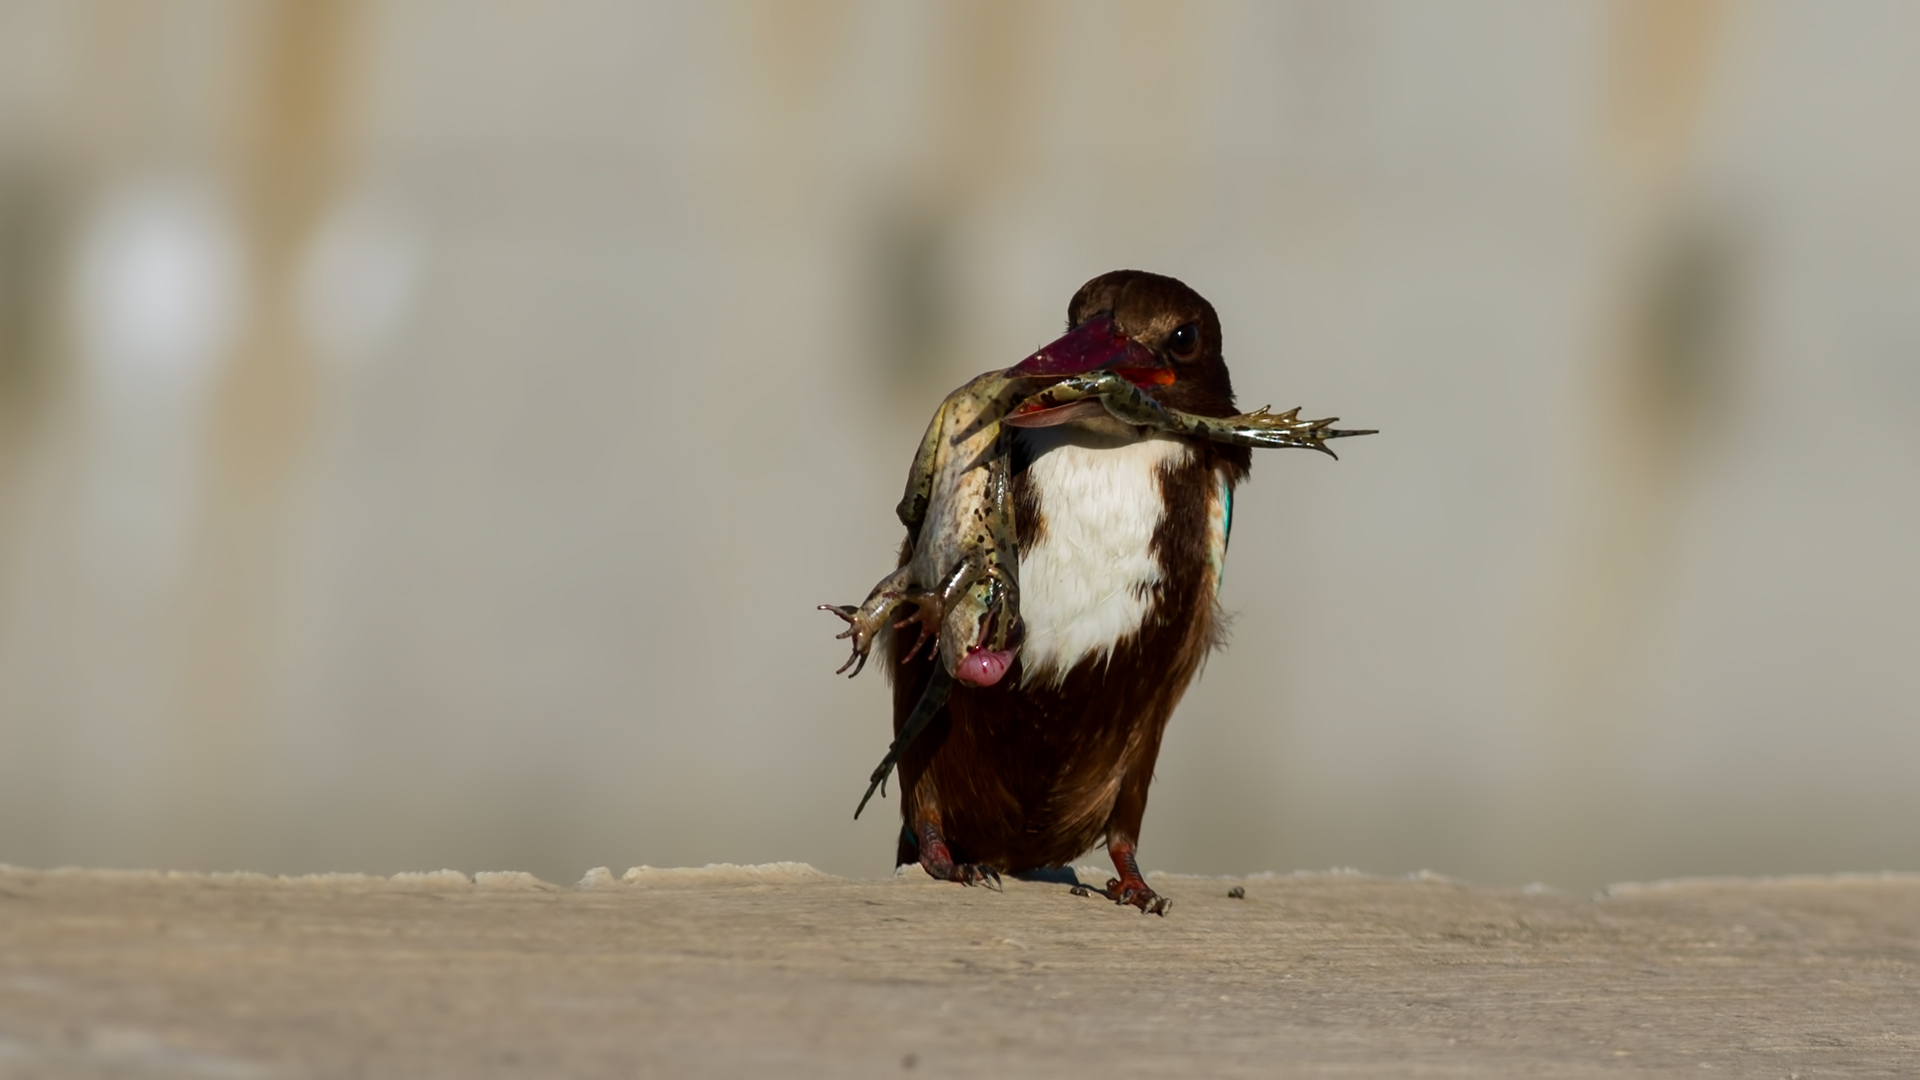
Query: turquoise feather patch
(1217,549)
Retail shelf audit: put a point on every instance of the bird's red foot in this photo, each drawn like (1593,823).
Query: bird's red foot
(1130,887)
(966,873)
(939,863)
(1135,892)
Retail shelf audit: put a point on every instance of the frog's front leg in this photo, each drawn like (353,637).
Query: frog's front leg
(896,591)
(865,621)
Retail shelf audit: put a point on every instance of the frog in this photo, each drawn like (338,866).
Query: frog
(959,569)
(961,576)
(963,568)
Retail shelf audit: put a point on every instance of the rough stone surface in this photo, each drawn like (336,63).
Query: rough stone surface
(784,971)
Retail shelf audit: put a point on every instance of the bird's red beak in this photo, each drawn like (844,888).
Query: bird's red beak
(1093,345)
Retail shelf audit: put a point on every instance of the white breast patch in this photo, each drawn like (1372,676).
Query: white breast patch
(1085,585)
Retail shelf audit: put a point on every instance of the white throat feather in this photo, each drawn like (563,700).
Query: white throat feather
(1087,581)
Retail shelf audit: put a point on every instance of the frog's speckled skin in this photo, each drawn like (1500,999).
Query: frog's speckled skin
(963,570)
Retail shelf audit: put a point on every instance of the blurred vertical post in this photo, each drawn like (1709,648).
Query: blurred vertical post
(1665,279)
(980,125)
(291,159)
(32,204)
(27,243)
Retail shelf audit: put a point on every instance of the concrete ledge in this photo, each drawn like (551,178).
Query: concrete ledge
(782,970)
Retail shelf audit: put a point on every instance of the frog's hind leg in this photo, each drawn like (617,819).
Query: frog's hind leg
(1264,428)
(933,698)
(1081,396)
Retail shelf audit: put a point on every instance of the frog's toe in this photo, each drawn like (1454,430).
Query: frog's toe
(927,617)
(858,630)
(845,611)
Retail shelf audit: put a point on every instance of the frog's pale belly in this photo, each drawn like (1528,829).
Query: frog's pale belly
(1088,579)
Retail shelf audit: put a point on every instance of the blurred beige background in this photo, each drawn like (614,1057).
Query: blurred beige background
(426,426)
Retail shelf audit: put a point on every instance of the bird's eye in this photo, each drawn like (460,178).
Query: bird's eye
(1184,342)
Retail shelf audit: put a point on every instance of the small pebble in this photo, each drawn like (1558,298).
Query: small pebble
(1237,893)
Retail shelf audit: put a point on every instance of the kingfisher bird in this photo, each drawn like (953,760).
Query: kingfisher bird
(1122,539)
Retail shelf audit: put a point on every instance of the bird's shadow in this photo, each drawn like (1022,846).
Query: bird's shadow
(1052,875)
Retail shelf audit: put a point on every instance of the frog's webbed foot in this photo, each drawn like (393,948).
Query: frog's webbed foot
(865,622)
(928,614)
(860,629)
(1263,427)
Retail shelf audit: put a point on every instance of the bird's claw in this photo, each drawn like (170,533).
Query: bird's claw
(964,874)
(976,874)
(1136,893)
(938,861)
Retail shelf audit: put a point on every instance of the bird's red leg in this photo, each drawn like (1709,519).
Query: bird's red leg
(937,859)
(1130,887)
(1123,827)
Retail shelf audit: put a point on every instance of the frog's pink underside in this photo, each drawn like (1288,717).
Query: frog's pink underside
(984,667)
